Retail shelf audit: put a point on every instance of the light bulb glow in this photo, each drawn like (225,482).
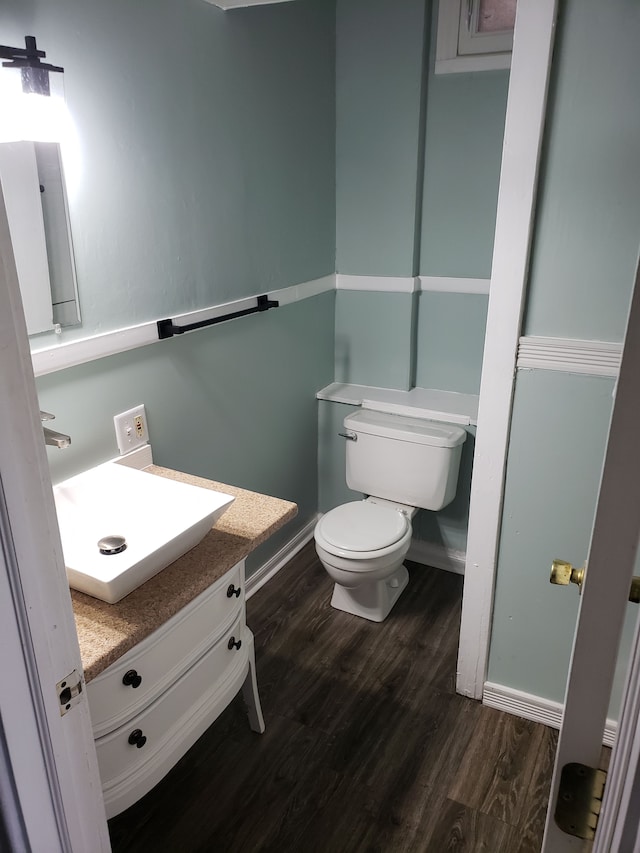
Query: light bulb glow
(40,118)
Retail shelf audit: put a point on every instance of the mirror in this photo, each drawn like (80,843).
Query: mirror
(34,191)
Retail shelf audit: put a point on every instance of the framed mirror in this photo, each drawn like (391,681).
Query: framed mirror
(33,186)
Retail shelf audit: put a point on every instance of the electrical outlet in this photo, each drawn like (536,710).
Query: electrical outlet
(131,429)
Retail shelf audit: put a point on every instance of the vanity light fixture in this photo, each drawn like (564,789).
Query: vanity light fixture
(32,104)
(34,72)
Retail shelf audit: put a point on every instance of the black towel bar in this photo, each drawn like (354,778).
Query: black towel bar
(167,329)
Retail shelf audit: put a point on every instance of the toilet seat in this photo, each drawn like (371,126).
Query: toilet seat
(361,530)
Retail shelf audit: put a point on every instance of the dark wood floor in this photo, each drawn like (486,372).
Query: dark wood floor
(367,747)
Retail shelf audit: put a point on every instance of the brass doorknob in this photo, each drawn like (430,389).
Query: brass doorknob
(564,573)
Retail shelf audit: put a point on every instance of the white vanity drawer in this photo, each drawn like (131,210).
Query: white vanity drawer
(154,664)
(134,752)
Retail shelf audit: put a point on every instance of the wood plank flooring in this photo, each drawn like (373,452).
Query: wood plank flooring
(367,747)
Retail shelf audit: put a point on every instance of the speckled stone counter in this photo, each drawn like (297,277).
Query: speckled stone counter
(107,631)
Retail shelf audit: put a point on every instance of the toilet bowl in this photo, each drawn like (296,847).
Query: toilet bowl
(362,545)
(403,464)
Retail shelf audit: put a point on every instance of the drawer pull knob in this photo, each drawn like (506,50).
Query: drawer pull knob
(131,679)
(233,643)
(136,738)
(233,591)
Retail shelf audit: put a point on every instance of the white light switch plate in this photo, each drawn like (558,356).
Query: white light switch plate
(131,429)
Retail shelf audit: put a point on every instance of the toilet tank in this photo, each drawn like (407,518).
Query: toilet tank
(407,460)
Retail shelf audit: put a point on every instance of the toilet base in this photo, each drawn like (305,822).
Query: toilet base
(371,601)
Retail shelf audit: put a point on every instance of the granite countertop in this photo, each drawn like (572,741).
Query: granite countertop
(107,631)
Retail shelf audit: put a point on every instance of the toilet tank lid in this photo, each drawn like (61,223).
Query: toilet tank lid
(402,428)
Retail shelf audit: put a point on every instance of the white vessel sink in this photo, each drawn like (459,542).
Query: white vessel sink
(159,519)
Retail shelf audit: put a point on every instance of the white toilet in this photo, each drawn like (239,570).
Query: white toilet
(402,464)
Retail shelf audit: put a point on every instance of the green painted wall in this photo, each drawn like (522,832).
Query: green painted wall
(374,338)
(379,62)
(332,488)
(417,173)
(465,116)
(208,174)
(553,475)
(234,403)
(208,148)
(400,340)
(464,130)
(584,253)
(588,222)
(558,434)
(450,341)
(418,155)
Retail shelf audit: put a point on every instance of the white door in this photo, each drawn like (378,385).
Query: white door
(603,603)
(50,792)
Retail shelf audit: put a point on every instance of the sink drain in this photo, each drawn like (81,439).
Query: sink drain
(112,544)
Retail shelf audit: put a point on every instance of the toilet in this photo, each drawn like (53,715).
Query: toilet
(402,464)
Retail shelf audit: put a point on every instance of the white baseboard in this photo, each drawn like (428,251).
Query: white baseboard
(271,568)
(438,556)
(534,708)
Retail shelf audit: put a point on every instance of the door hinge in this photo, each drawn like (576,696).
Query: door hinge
(580,800)
(69,691)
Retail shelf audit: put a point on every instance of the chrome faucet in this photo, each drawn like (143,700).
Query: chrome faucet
(51,437)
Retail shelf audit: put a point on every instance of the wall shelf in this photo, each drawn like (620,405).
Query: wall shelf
(429,403)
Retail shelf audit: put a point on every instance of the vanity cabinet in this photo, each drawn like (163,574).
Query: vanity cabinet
(153,703)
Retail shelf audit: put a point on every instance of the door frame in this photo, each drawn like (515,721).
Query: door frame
(51,757)
(524,127)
